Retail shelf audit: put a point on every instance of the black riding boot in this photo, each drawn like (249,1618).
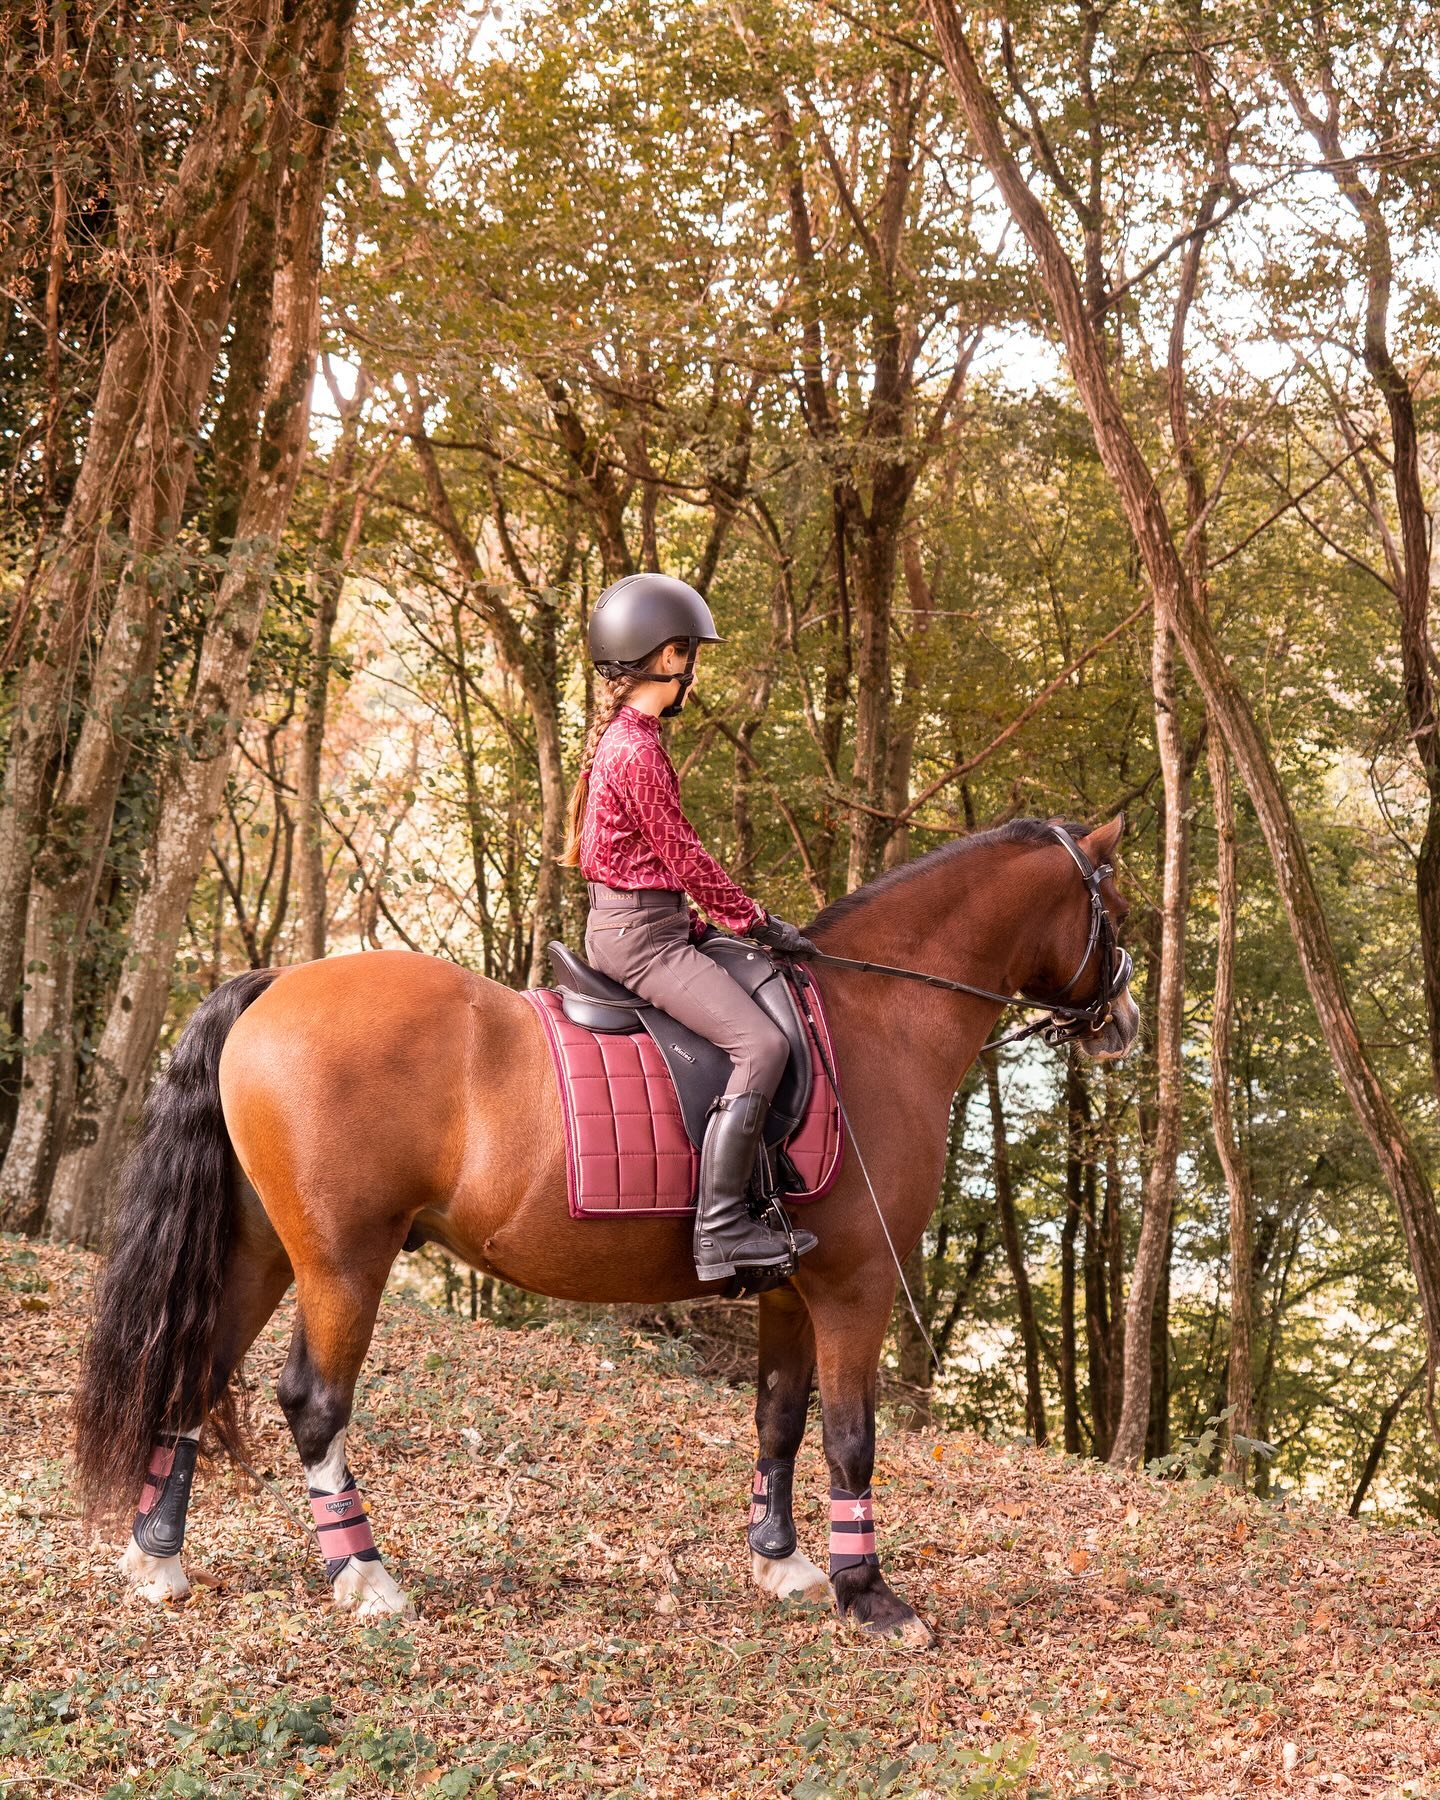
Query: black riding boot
(726,1237)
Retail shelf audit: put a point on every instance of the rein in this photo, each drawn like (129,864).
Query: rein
(1062,1023)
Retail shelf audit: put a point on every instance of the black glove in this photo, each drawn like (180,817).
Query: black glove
(781,935)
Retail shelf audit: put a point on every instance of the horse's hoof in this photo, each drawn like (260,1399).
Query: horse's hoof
(370,1591)
(385,1609)
(160,1579)
(915,1634)
(910,1632)
(792,1577)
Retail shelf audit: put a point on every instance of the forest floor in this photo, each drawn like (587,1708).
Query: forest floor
(566,1507)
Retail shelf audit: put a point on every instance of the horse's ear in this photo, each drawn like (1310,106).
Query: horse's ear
(1099,845)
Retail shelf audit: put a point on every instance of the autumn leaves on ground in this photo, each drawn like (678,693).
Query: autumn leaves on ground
(566,1507)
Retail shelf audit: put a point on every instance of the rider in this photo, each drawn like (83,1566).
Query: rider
(640,857)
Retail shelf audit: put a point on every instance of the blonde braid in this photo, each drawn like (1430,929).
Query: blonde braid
(615,690)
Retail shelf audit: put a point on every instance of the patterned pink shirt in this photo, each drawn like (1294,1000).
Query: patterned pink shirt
(636,834)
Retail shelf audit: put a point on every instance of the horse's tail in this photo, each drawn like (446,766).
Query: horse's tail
(148,1362)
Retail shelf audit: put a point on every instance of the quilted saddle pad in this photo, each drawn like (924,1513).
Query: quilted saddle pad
(626,1148)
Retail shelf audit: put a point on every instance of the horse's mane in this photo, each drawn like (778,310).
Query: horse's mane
(1014,831)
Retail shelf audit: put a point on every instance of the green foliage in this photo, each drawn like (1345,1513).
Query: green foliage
(1196,1458)
(844,1763)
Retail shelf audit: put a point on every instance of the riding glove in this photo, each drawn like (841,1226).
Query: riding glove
(781,935)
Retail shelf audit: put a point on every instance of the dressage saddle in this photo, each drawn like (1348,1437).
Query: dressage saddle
(698,1068)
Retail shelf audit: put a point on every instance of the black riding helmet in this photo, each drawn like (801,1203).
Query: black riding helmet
(636,615)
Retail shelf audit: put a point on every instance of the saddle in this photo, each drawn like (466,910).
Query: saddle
(698,1068)
(636,1086)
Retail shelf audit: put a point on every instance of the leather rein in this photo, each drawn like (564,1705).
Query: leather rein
(1062,1023)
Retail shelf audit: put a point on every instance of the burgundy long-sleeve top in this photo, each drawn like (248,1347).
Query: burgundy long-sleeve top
(635,833)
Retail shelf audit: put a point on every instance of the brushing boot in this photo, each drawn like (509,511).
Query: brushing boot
(727,1239)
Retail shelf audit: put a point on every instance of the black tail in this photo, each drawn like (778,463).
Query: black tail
(147,1365)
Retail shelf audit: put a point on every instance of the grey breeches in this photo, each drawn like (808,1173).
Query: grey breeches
(644,942)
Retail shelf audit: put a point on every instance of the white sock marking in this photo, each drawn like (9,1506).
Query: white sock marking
(371,1590)
(788,1577)
(157,1578)
(329,1473)
(366,1587)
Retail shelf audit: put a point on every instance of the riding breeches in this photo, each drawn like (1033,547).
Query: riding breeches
(642,940)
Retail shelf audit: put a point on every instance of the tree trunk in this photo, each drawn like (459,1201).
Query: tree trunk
(1409,561)
(193,787)
(595,481)
(187,328)
(1078,1164)
(137,463)
(536,682)
(1382,1437)
(314,908)
(1100,1381)
(326,580)
(1015,1255)
(141,421)
(1157,1420)
(1105,1288)
(1229,711)
(1240,1381)
(874,589)
(1160,1185)
(912,1352)
(900,758)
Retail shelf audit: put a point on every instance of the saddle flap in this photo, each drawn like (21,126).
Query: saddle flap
(756,971)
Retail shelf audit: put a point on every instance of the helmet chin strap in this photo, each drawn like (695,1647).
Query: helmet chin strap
(685,677)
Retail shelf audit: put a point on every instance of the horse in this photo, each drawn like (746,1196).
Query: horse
(315,1119)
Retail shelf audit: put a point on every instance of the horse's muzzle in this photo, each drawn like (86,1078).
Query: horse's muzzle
(1119,1034)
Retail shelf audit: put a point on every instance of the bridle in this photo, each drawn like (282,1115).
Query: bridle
(1063,1022)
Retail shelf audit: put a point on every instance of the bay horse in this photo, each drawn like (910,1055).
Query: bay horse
(314,1120)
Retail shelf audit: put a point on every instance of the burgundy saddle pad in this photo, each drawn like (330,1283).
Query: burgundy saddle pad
(626,1148)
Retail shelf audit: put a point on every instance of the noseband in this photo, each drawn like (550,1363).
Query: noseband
(1094,1017)
(1063,1023)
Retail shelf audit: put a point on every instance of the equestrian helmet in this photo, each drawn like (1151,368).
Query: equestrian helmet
(636,615)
